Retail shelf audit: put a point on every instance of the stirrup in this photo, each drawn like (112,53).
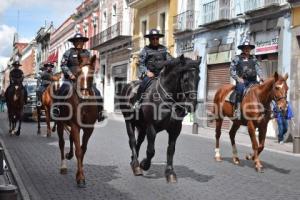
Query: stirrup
(39,104)
(55,111)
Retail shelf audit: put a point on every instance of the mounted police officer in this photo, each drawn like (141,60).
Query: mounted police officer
(149,57)
(69,66)
(44,79)
(16,77)
(244,69)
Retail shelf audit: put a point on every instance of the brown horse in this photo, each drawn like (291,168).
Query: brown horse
(47,100)
(256,114)
(14,96)
(78,111)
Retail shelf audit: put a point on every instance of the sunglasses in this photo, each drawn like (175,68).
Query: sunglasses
(154,38)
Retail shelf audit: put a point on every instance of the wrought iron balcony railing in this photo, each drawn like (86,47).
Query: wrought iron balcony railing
(185,21)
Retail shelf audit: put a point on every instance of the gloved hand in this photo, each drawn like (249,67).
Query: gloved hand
(240,80)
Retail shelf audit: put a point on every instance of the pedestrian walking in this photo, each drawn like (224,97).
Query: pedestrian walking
(282,120)
(2,100)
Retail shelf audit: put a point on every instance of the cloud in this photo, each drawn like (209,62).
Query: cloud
(3,62)
(6,40)
(62,7)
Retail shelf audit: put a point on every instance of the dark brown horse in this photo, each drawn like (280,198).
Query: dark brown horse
(255,111)
(165,104)
(14,96)
(79,112)
(47,100)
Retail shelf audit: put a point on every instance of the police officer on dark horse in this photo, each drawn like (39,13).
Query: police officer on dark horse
(16,96)
(175,81)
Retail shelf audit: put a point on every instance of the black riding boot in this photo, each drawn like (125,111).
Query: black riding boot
(237,112)
(38,99)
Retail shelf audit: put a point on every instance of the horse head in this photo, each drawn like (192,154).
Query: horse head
(85,74)
(185,72)
(279,91)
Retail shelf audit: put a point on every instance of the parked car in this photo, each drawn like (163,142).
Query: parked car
(29,110)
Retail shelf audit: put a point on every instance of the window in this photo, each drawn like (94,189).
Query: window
(114,10)
(162,24)
(144,30)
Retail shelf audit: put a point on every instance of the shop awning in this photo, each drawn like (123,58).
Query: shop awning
(53,57)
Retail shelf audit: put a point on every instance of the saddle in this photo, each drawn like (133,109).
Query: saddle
(231,96)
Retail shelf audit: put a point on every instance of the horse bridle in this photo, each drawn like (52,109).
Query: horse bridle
(165,93)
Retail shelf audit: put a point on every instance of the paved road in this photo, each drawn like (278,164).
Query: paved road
(109,176)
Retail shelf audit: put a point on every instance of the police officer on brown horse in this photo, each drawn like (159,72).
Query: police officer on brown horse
(244,69)
(69,66)
(45,79)
(149,57)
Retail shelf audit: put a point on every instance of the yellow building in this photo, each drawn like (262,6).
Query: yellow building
(150,14)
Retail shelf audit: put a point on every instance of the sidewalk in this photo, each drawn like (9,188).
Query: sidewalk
(241,138)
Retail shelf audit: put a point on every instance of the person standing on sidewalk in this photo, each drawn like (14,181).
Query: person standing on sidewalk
(2,100)
(282,120)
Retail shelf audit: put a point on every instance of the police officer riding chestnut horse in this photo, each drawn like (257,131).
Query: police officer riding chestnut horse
(252,104)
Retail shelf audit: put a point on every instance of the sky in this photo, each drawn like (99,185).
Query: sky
(33,14)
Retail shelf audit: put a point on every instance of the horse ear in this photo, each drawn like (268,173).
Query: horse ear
(276,76)
(286,76)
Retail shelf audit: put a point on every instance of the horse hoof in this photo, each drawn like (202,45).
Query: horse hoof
(236,160)
(145,165)
(69,156)
(218,159)
(18,133)
(48,135)
(39,132)
(137,171)
(249,157)
(63,170)
(53,129)
(171,178)
(259,169)
(81,183)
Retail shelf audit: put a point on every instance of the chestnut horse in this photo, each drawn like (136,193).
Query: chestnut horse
(255,111)
(47,100)
(170,96)
(14,96)
(78,111)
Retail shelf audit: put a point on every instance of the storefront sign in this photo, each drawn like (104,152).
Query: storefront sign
(221,57)
(266,42)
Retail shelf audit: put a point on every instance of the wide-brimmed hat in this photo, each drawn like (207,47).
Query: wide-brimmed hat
(153,33)
(77,37)
(48,64)
(246,44)
(16,64)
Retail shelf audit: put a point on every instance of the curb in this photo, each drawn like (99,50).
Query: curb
(21,187)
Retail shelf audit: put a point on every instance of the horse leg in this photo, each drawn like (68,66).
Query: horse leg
(75,134)
(19,127)
(169,172)
(251,130)
(261,139)
(47,111)
(232,134)
(135,166)
(140,139)
(219,122)
(70,155)
(87,132)
(146,162)
(61,141)
(38,113)
(54,127)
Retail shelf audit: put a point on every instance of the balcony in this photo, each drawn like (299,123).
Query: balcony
(108,34)
(261,5)
(216,12)
(185,21)
(139,3)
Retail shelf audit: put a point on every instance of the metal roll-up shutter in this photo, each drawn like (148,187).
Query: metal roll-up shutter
(217,76)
